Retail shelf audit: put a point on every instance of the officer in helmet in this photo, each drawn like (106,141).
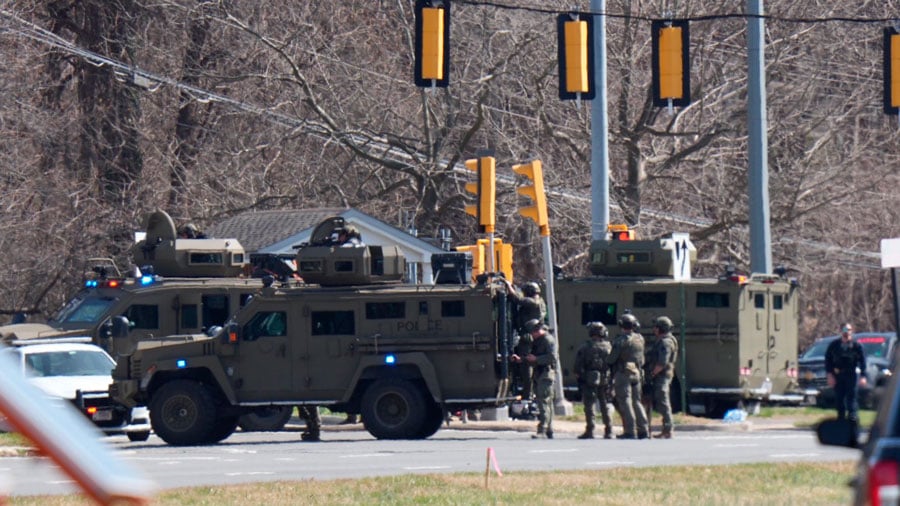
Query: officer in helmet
(543,358)
(528,306)
(592,373)
(660,368)
(627,362)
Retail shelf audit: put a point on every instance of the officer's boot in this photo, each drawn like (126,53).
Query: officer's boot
(665,434)
(588,434)
(607,433)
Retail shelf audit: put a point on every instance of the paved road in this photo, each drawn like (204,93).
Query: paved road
(255,457)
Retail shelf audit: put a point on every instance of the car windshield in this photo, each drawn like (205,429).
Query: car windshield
(84,308)
(874,346)
(69,363)
(817,350)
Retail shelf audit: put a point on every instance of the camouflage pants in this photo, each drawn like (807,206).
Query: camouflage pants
(544,399)
(662,399)
(628,398)
(590,394)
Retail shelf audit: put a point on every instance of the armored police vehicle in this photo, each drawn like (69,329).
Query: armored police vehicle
(181,287)
(737,335)
(358,342)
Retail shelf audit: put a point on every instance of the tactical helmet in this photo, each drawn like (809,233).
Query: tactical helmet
(663,323)
(532,325)
(629,322)
(531,289)
(597,329)
(190,230)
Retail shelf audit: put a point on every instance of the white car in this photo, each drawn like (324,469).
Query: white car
(81,374)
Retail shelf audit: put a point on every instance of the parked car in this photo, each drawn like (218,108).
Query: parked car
(879,348)
(80,373)
(877,481)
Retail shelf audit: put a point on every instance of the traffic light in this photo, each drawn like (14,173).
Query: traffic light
(891,71)
(485,191)
(619,232)
(432,66)
(576,57)
(537,212)
(671,63)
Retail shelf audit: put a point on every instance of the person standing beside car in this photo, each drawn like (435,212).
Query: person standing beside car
(845,366)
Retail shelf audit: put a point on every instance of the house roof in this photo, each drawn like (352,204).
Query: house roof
(257,230)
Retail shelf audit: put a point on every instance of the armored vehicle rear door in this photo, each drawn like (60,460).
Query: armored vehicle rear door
(774,326)
(263,362)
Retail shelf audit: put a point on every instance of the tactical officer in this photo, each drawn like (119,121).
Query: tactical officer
(627,361)
(529,306)
(592,373)
(543,358)
(660,367)
(845,359)
(310,415)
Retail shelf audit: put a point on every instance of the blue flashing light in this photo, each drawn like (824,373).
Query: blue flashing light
(390,359)
(146,279)
(181,363)
(91,283)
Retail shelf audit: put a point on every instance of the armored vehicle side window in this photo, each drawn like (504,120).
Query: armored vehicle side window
(423,307)
(778,302)
(759,300)
(189,318)
(453,308)
(604,312)
(311,266)
(330,323)
(712,299)
(215,309)
(143,316)
(343,266)
(649,299)
(385,310)
(206,259)
(266,324)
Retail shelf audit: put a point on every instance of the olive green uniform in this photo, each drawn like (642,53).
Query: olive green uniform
(529,308)
(627,361)
(663,352)
(592,372)
(544,350)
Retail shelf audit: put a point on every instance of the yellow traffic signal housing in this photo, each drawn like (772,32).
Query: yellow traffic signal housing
(485,191)
(671,63)
(537,212)
(576,57)
(503,257)
(432,65)
(891,71)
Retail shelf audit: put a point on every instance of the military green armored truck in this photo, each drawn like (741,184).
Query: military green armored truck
(737,335)
(359,342)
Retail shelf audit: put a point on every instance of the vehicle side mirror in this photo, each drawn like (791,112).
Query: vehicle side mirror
(119,329)
(836,432)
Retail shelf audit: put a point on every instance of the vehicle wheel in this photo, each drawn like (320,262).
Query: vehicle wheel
(394,409)
(433,421)
(138,436)
(224,427)
(183,412)
(266,419)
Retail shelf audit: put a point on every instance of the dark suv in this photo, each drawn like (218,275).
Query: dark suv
(877,480)
(878,346)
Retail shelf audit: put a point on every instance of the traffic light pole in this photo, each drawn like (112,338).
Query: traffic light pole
(560,405)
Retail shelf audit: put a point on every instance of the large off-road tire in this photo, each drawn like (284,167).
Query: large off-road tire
(184,413)
(223,428)
(394,409)
(266,419)
(434,418)
(138,436)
